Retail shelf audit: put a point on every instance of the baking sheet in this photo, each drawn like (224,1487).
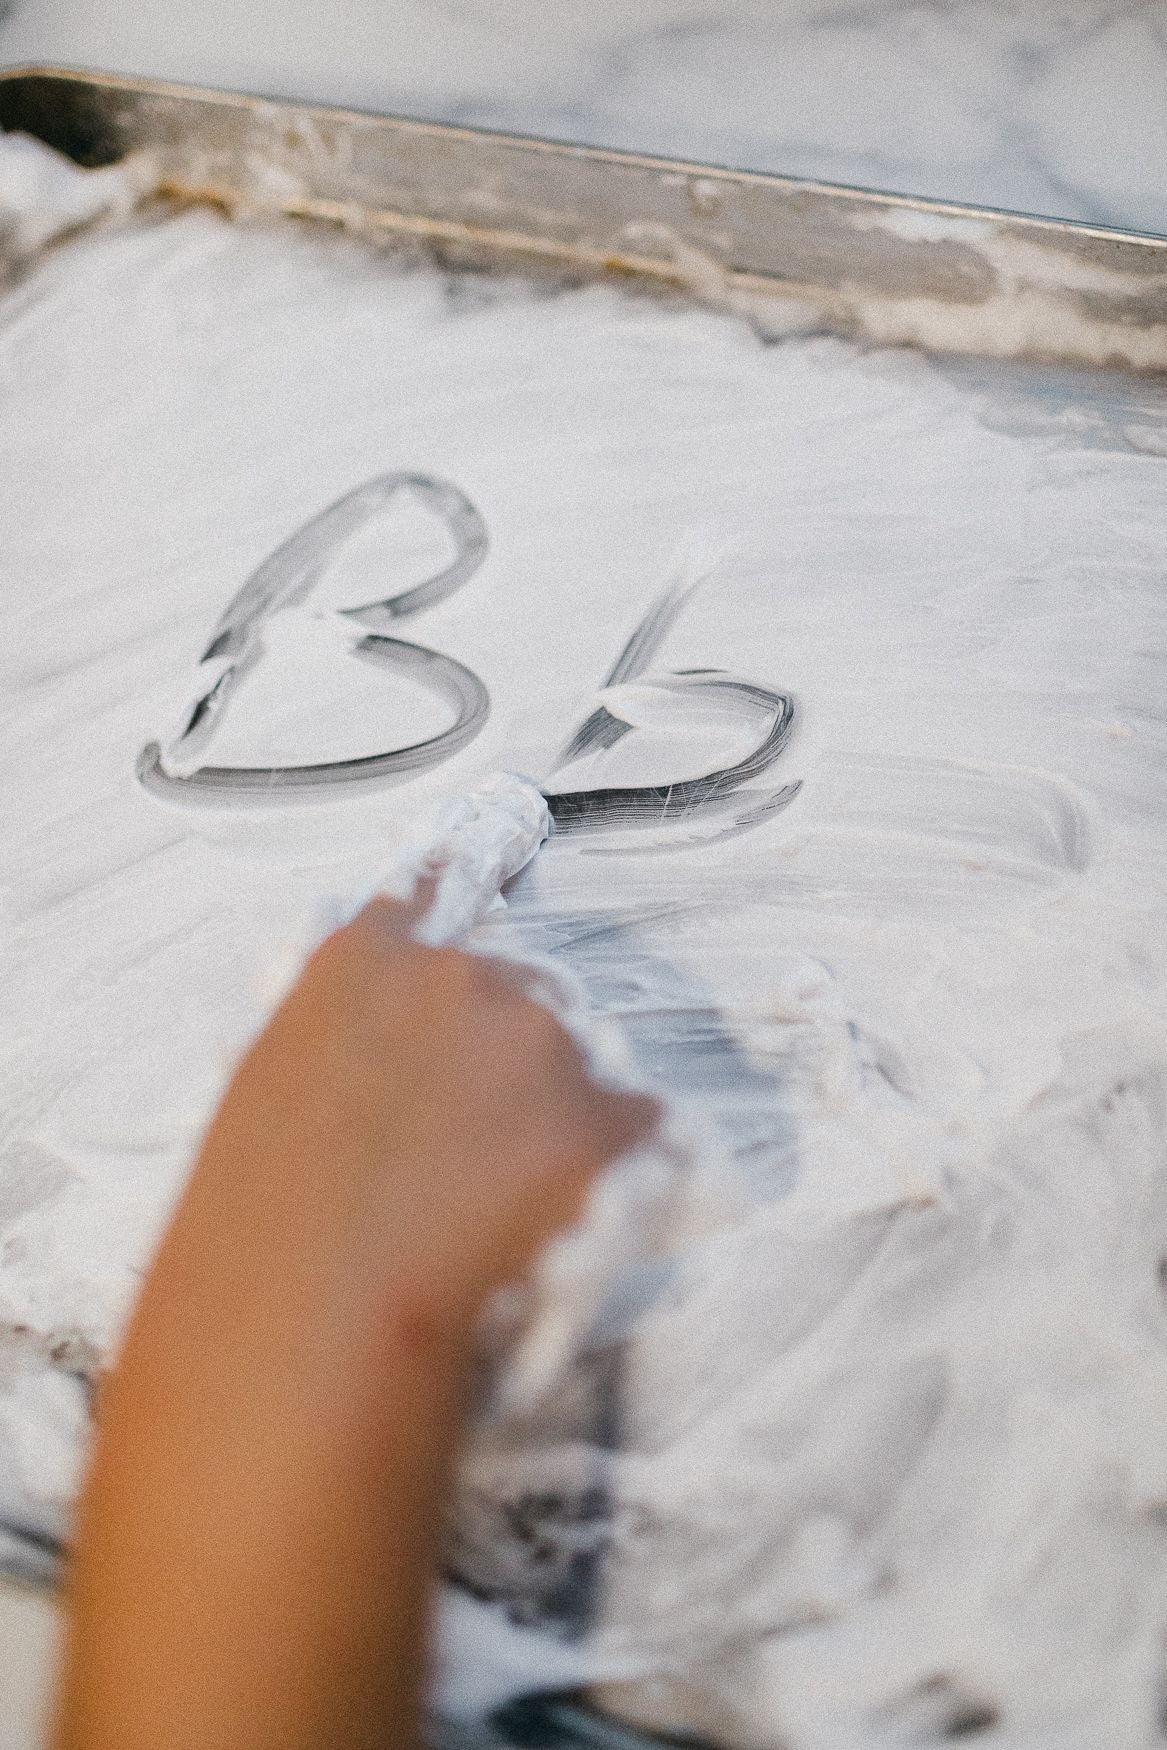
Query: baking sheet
(1101,434)
(794,254)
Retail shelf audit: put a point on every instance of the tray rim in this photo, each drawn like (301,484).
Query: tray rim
(792,255)
(100,79)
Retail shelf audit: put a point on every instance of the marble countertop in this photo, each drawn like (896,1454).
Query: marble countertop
(1049,106)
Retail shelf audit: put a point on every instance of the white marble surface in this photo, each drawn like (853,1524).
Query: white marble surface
(1050,107)
(1055,108)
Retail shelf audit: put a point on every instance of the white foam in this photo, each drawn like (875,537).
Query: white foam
(868,1429)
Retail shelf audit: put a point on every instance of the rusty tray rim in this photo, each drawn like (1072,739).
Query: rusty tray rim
(101,79)
(795,254)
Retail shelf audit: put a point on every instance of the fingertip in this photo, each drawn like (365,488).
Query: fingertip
(635,1117)
(395,918)
(647,1111)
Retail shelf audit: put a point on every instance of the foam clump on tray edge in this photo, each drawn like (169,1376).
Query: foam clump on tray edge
(44,195)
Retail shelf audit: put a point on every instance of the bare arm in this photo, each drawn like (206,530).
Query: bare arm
(258,1533)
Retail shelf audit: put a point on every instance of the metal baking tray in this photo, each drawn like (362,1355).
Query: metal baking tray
(796,255)
(793,255)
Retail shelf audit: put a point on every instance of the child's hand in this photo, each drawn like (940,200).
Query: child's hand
(260,1525)
(411,1111)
